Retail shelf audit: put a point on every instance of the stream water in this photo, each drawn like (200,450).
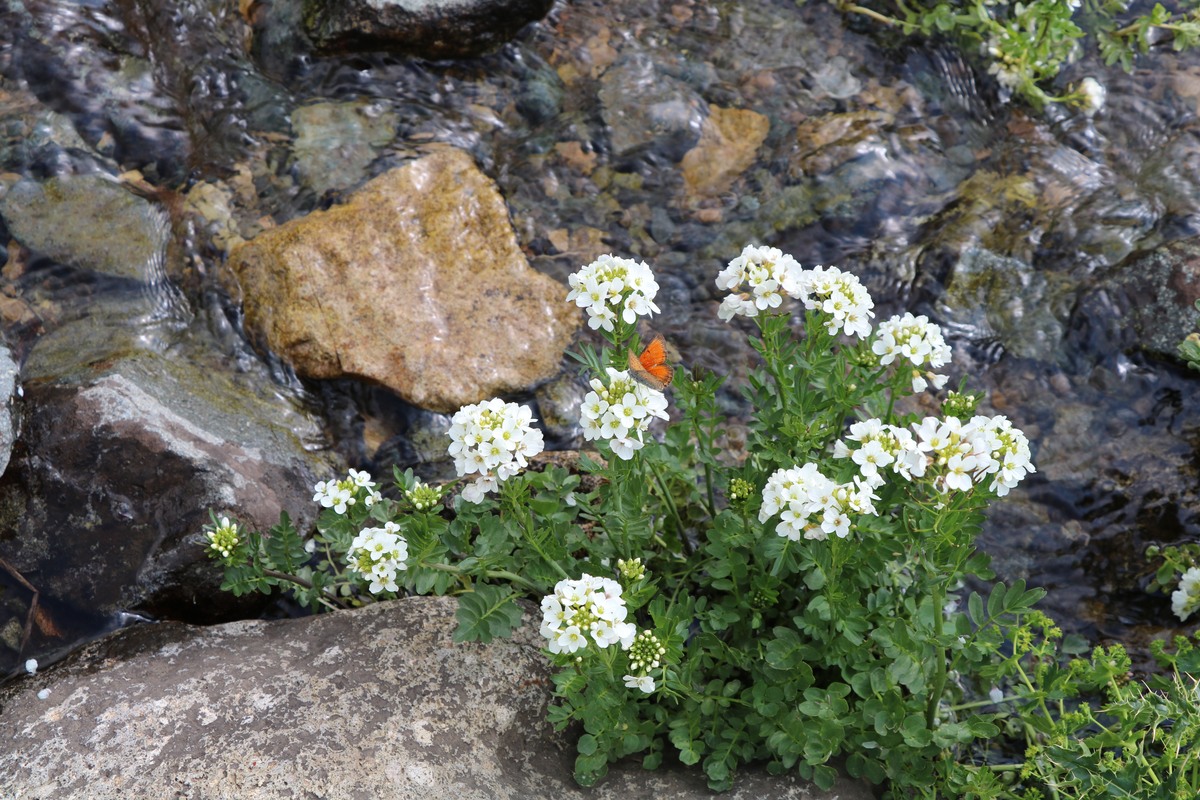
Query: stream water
(1027,237)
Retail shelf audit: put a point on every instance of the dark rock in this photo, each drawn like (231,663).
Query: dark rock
(120,461)
(1147,303)
(433,29)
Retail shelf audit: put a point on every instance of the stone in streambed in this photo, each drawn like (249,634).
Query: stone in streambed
(416,283)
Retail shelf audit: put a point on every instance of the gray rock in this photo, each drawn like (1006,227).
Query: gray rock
(373,703)
(1147,302)
(336,142)
(425,28)
(9,390)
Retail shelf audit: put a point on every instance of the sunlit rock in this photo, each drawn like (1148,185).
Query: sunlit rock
(378,702)
(416,283)
(432,29)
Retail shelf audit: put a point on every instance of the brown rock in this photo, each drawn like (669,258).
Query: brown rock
(728,142)
(416,283)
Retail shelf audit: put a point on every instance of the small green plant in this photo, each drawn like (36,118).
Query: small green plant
(792,607)
(1189,348)
(1026,44)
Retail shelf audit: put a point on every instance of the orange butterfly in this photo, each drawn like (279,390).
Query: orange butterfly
(650,368)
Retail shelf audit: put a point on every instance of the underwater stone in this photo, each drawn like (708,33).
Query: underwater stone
(90,222)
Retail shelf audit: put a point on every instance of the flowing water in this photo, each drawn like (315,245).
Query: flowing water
(1021,234)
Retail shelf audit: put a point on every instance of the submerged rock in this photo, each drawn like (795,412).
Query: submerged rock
(416,283)
(425,28)
(336,142)
(648,111)
(729,141)
(90,222)
(377,702)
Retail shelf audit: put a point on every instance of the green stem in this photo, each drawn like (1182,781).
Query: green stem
(891,22)
(939,679)
(670,501)
(499,574)
(708,485)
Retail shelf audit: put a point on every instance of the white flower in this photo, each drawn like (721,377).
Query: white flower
(840,297)
(811,506)
(587,607)
(610,286)
(31,666)
(881,448)
(755,279)
(43,694)
(494,439)
(961,455)
(340,495)
(621,412)
(1093,96)
(1186,599)
(377,554)
(643,682)
(916,340)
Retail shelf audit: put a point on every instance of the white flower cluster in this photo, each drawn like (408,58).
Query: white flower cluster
(812,506)
(494,439)
(841,297)
(956,455)
(918,340)
(377,554)
(881,446)
(610,285)
(765,271)
(621,412)
(340,495)
(1186,598)
(587,607)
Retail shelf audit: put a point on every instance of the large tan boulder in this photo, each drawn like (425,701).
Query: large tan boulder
(417,283)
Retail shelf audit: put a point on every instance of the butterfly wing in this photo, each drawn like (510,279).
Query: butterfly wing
(650,368)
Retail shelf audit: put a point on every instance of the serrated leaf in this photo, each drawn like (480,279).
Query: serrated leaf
(486,613)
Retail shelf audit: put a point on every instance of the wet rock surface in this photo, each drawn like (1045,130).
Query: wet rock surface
(377,702)
(432,29)
(416,283)
(90,222)
(120,462)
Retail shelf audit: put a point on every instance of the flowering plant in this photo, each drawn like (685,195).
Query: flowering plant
(1025,44)
(797,604)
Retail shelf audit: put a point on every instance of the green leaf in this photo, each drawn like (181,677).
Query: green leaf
(486,613)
